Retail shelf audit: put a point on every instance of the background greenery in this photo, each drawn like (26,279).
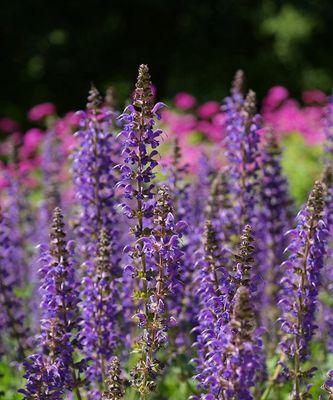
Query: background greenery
(53,50)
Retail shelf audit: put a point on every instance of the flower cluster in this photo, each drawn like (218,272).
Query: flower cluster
(180,277)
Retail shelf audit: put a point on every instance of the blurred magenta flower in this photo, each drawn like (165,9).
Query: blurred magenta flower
(285,115)
(314,96)
(212,131)
(179,124)
(31,141)
(41,111)
(184,101)
(275,96)
(208,109)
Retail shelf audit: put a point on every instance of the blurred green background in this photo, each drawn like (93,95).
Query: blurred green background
(51,51)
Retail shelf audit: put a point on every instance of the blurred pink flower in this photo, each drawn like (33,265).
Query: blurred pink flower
(8,125)
(314,96)
(31,141)
(26,166)
(190,153)
(275,96)
(179,124)
(184,101)
(208,109)
(41,111)
(212,131)
(71,118)
(289,116)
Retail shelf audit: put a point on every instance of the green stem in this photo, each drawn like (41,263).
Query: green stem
(273,379)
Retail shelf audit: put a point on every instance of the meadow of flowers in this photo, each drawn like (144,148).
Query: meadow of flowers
(158,252)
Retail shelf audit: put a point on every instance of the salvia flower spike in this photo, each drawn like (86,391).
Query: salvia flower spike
(300,285)
(100,328)
(11,307)
(60,318)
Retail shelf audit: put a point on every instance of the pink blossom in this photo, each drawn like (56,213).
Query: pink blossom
(3,182)
(275,96)
(314,96)
(26,166)
(184,101)
(41,111)
(213,132)
(71,118)
(179,124)
(208,109)
(31,141)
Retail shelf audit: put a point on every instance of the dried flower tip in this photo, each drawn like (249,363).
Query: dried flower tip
(110,98)
(250,104)
(211,242)
(143,98)
(244,257)
(103,252)
(316,201)
(243,317)
(163,205)
(219,198)
(238,83)
(114,383)
(57,235)
(94,99)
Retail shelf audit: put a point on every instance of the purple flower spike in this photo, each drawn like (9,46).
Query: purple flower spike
(229,347)
(94,176)
(155,253)
(275,219)
(60,320)
(12,317)
(301,283)
(100,327)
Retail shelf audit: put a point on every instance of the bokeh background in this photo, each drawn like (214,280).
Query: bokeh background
(51,51)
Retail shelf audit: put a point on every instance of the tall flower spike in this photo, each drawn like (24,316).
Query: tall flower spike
(182,304)
(275,219)
(11,308)
(114,382)
(53,370)
(213,287)
(163,258)
(242,140)
(60,298)
(94,175)
(140,141)
(100,329)
(325,319)
(328,131)
(300,284)
(242,357)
